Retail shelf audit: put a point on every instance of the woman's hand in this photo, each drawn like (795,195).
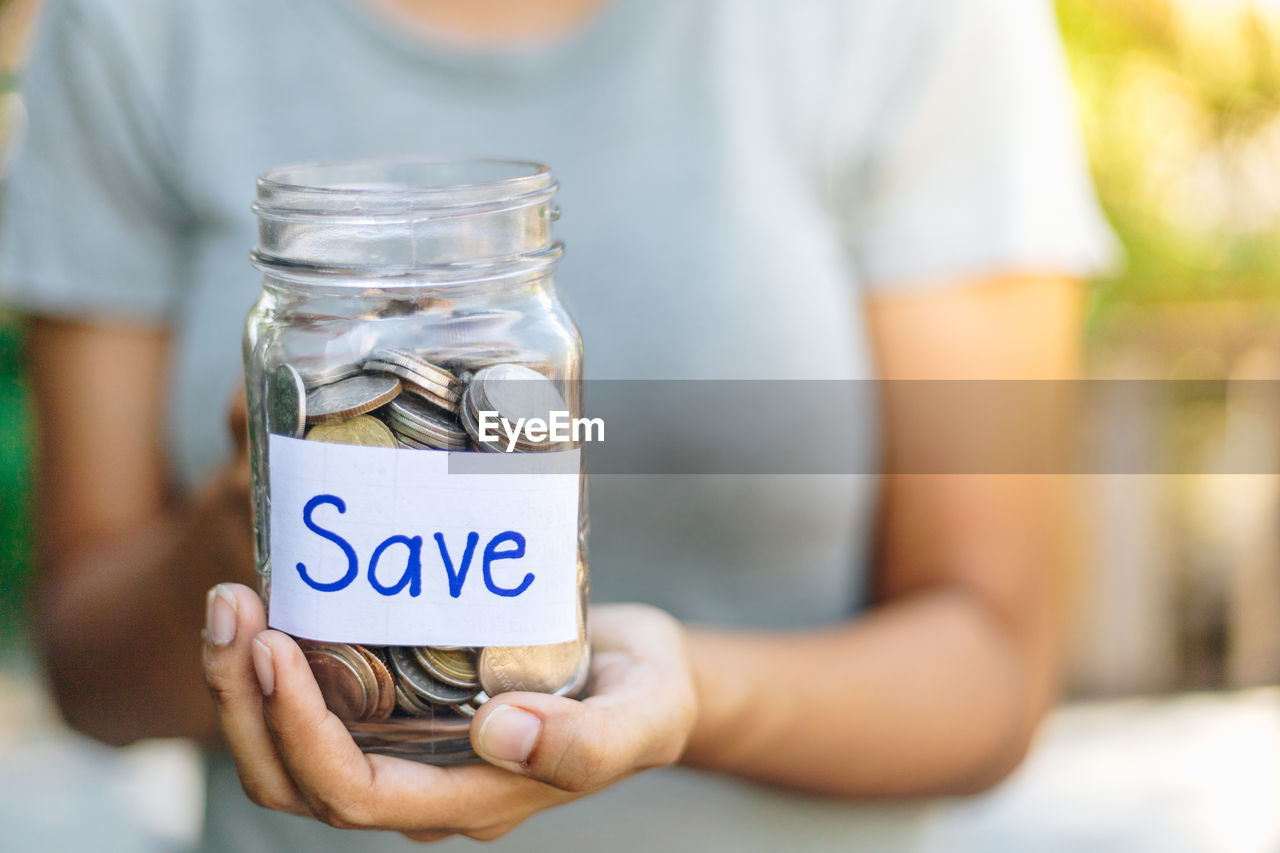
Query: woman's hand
(293,755)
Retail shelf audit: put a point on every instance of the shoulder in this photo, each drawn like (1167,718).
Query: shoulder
(825,44)
(152,33)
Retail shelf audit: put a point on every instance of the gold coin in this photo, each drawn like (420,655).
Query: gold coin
(385,701)
(363,431)
(455,666)
(538,669)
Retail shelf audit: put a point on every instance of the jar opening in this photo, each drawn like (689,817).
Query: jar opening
(371,186)
(395,217)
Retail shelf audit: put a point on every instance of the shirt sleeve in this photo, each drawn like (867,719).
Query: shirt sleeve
(974,164)
(90,222)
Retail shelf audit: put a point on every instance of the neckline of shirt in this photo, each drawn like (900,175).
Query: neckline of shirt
(598,37)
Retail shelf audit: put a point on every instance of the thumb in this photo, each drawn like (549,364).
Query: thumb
(562,742)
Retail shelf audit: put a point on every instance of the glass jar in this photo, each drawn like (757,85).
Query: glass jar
(417,533)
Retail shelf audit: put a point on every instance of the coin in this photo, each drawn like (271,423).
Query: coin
(467,415)
(431,434)
(410,703)
(456,667)
(413,411)
(431,372)
(575,686)
(362,430)
(385,702)
(411,443)
(540,669)
(422,385)
(346,681)
(286,402)
(418,680)
(349,398)
(464,360)
(424,425)
(469,707)
(514,392)
(316,372)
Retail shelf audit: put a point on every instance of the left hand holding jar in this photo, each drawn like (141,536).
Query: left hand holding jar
(294,755)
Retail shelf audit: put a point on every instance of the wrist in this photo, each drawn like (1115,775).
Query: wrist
(721,696)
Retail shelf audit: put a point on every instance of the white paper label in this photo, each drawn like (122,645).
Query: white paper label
(387,547)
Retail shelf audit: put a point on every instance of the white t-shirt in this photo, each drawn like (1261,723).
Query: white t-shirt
(736,176)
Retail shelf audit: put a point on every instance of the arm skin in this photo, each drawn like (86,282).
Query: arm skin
(124,563)
(938,689)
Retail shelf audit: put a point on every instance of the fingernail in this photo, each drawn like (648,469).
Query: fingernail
(508,734)
(220,616)
(263,665)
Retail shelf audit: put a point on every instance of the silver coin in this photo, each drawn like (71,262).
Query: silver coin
(286,402)
(430,436)
(415,411)
(423,385)
(515,392)
(415,678)
(470,422)
(350,397)
(539,669)
(410,703)
(445,405)
(469,707)
(416,442)
(434,373)
(410,444)
(325,372)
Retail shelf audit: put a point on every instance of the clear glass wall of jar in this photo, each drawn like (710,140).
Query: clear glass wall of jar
(409,315)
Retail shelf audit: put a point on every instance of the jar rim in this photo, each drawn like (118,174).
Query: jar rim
(434,182)
(442,219)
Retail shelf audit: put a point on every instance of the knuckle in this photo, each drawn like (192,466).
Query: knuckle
(221,688)
(345,814)
(269,799)
(489,833)
(582,767)
(669,754)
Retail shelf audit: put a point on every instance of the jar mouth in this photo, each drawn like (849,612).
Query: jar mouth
(389,187)
(414,219)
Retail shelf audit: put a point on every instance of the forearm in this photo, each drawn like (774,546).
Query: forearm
(923,696)
(118,620)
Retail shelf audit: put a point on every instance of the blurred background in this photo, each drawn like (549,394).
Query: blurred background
(1169,715)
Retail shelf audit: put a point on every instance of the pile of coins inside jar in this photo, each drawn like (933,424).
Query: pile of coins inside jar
(395,398)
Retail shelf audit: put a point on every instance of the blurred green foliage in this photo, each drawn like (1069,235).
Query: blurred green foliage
(1180,103)
(15,456)
(15,412)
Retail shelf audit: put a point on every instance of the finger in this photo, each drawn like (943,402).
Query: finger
(345,788)
(428,837)
(639,716)
(234,615)
(313,744)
